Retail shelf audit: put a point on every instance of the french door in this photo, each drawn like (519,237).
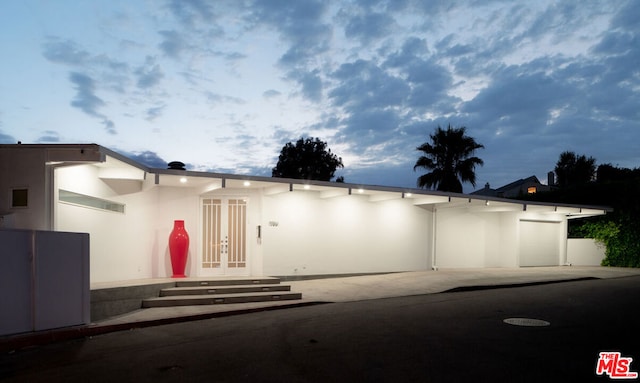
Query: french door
(224,236)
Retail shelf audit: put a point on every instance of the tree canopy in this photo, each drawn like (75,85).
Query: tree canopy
(449,159)
(572,169)
(307,159)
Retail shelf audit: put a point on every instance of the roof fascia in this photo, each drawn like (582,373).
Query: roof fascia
(373,188)
(123,158)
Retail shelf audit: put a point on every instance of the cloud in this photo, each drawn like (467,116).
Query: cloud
(616,43)
(155,112)
(299,22)
(369,128)
(271,93)
(70,53)
(193,12)
(49,136)
(627,17)
(363,84)
(87,101)
(520,96)
(301,25)
(148,158)
(311,84)
(282,136)
(384,103)
(215,98)
(368,27)
(109,126)
(7,139)
(453,50)
(173,44)
(111,72)
(234,56)
(430,82)
(65,52)
(149,74)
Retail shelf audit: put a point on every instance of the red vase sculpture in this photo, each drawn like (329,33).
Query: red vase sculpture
(178,249)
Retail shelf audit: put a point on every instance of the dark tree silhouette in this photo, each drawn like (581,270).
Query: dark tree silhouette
(449,157)
(308,159)
(573,170)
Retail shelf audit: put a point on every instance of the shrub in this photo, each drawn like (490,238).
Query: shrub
(621,239)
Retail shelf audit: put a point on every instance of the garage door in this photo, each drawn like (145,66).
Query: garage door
(539,243)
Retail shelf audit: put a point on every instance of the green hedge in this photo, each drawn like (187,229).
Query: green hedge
(621,239)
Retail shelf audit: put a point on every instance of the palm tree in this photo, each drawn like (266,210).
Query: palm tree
(449,159)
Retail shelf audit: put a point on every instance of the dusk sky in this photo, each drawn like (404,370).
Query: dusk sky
(223,85)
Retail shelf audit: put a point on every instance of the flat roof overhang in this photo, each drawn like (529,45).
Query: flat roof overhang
(115,166)
(419,197)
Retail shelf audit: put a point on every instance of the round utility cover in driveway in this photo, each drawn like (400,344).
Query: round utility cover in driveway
(527,322)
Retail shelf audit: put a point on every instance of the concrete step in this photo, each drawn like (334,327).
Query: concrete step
(208,290)
(226,281)
(194,300)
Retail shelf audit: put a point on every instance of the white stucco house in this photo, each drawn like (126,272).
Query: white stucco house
(243,225)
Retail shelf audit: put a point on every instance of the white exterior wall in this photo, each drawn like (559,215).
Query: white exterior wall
(24,168)
(340,235)
(134,245)
(584,252)
(302,233)
(470,238)
(123,246)
(509,237)
(173,203)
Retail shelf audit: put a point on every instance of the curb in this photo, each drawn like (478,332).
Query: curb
(510,285)
(22,341)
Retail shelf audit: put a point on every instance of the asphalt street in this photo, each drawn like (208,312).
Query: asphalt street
(446,337)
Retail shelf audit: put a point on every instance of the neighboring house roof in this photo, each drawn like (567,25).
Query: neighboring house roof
(514,189)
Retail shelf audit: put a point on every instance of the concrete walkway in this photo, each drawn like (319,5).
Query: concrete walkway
(346,289)
(379,286)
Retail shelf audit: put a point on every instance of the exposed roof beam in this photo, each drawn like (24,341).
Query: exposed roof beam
(332,193)
(279,189)
(378,197)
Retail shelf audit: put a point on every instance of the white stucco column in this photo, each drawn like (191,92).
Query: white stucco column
(434,226)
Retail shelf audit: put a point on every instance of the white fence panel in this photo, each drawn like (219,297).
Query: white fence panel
(584,252)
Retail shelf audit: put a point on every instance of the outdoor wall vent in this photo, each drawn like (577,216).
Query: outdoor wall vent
(176,165)
(20,197)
